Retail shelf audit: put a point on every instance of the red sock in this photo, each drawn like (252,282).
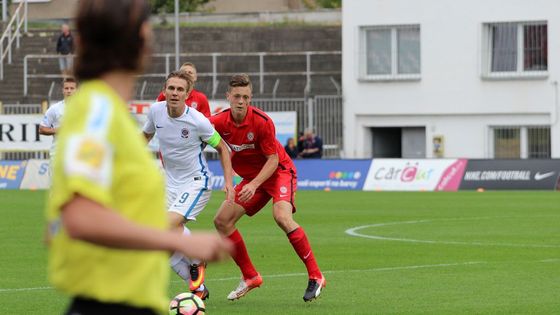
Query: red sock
(241,257)
(301,245)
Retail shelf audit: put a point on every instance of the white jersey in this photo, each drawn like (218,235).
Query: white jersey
(181,142)
(52,119)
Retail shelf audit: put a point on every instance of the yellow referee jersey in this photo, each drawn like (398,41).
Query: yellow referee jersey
(102,156)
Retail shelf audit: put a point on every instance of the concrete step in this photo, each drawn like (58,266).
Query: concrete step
(199,40)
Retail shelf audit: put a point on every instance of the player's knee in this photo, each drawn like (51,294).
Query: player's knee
(221,223)
(283,220)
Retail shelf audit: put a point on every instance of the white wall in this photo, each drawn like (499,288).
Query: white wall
(451,98)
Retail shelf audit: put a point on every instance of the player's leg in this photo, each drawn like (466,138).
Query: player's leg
(187,202)
(227,216)
(282,187)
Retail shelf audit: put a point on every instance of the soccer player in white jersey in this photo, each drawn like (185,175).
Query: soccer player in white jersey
(53,116)
(183,132)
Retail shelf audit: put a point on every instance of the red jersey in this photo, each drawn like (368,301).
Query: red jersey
(196,100)
(251,141)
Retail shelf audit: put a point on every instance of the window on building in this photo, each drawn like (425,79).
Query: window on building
(522,142)
(390,52)
(507,143)
(516,49)
(538,142)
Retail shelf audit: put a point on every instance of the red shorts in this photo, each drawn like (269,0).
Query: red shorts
(281,185)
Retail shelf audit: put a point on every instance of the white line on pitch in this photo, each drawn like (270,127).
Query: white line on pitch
(299,274)
(286,275)
(354,232)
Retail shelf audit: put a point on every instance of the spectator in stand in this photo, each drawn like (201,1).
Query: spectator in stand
(65,48)
(291,148)
(195,98)
(312,145)
(300,141)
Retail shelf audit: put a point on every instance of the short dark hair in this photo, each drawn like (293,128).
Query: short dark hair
(240,80)
(69,80)
(181,75)
(109,36)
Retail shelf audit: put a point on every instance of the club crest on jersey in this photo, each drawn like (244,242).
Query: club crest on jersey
(250,136)
(194,105)
(184,133)
(283,189)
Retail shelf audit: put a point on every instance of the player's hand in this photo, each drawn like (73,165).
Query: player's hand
(247,192)
(206,246)
(230,193)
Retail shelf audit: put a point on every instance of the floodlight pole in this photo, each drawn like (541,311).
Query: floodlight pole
(176,34)
(4,10)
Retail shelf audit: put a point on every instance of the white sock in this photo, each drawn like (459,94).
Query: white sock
(186,231)
(182,269)
(179,263)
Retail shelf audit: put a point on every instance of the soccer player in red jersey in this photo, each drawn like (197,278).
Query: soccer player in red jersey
(268,173)
(196,99)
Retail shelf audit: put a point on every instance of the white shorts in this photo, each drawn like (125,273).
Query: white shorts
(189,199)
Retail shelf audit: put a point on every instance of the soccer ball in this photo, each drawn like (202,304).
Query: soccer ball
(187,304)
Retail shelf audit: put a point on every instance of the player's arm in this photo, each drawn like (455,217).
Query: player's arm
(213,138)
(148,136)
(149,128)
(248,191)
(267,143)
(87,220)
(47,121)
(268,169)
(46,131)
(225,160)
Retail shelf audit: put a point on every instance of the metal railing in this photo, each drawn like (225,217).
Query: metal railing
(323,113)
(260,74)
(24,155)
(12,33)
(21,109)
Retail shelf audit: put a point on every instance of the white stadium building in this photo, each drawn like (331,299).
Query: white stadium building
(451,78)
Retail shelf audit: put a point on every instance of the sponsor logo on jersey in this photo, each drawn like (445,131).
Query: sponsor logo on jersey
(239,148)
(91,153)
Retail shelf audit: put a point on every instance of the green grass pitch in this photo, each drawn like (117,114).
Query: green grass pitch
(410,253)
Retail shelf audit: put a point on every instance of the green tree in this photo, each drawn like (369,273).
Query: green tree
(330,4)
(159,6)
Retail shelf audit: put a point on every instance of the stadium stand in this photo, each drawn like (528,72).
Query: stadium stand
(42,67)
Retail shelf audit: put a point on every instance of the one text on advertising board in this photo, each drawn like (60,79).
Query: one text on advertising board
(512,174)
(313,174)
(21,133)
(331,174)
(11,174)
(36,175)
(415,175)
